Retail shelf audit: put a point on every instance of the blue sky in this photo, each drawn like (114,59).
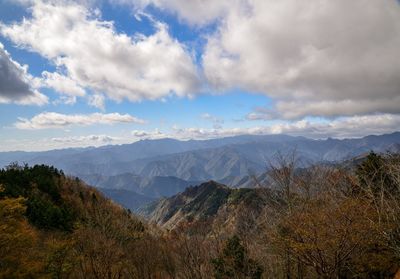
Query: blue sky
(82,73)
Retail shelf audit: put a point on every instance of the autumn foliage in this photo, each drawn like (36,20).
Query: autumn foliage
(315,222)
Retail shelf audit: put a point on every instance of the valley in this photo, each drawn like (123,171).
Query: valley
(151,169)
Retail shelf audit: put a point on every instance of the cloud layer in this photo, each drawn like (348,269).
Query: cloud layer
(51,120)
(313,58)
(63,85)
(343,127)
(330,68)
(95,56)
(194,12)
(15,82)
(85,140)
(317,57)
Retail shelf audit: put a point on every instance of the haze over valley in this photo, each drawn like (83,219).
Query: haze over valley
(150,169)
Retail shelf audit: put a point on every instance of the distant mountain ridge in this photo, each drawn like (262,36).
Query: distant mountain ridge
(199,159)
(164,167)
(119,154)
(240,159)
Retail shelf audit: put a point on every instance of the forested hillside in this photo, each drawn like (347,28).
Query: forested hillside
(315,222)
(53,226)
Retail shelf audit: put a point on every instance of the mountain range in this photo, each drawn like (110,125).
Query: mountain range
(150,169)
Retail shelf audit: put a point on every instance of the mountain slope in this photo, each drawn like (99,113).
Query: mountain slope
(55,201)
(206,202)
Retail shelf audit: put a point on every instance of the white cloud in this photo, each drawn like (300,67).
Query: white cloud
(316,57)
(28,3)
(313,58)
(196,12)
(49,120)
(343,127)
(97,100)
(342,107)
(95,56)
(86,140)
(66,100)
(60,142)
(141,134)
(16,83)
(63,85)
(299,108)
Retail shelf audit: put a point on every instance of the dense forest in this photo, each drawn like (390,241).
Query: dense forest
(315,222)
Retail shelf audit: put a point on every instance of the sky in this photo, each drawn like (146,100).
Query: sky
(97,72)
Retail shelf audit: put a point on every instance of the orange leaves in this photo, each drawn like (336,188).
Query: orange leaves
(329,235)
(16,237)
